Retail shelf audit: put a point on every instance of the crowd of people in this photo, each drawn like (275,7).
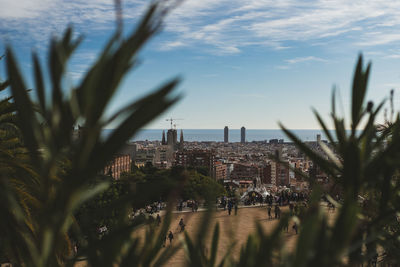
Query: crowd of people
(286,197)
(227,204)
(296,201)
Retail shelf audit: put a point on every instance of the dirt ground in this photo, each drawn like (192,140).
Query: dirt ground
(232,228)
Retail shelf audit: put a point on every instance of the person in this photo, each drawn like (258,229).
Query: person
(291,208)
(276,211)
(182,225)
(229,207)
(269,212)
(286,226)
(158,219)
(236,207)
(170,237)
(295,228)
(181,206)
(164,241)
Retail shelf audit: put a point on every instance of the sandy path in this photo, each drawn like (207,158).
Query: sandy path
(232,228)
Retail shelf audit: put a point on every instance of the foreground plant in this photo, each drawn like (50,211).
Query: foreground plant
(66,166)
(364,165)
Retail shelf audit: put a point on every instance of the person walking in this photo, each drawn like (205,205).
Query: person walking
(229,207)
(170,237)
(276,211)
(182,225)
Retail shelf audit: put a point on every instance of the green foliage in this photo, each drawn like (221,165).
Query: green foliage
(366,167)
(66,166)
(149,185)
(101,210)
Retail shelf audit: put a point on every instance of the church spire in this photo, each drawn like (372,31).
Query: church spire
(163,138)
(181,141)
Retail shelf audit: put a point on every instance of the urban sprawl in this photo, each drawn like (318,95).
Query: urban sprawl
(237,164)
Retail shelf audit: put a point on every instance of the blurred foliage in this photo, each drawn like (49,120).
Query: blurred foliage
(100,211)
(46,181)
(150,185)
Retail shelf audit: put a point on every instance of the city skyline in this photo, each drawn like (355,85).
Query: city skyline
(270,61)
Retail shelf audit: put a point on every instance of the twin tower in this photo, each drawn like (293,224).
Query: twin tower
(242,135)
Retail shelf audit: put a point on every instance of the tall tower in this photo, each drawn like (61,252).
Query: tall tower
(226,134)
(163,142)
(181,141)
(243,135)
(172,137)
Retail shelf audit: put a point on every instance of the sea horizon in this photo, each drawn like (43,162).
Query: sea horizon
(217,135)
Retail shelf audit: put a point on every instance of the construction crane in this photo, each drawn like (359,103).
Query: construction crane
(172,120)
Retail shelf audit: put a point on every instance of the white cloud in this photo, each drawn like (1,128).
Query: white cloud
(239,23)
(395,56)
(24,8)
(34,21)
(304,59)
(171,45)
(219,26)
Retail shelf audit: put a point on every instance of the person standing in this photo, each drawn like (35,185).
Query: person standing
(295,227)
(269,213)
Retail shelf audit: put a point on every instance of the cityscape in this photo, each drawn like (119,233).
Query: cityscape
(207,133)
(236,164)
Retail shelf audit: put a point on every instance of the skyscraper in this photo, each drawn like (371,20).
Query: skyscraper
(226,134)
(243,135)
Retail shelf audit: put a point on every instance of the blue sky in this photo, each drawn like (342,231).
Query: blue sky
(243,63)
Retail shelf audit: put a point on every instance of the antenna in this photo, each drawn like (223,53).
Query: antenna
(172,120)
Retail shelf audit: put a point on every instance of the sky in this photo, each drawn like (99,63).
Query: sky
(245,63)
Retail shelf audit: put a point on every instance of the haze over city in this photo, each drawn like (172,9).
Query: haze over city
(249,63)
